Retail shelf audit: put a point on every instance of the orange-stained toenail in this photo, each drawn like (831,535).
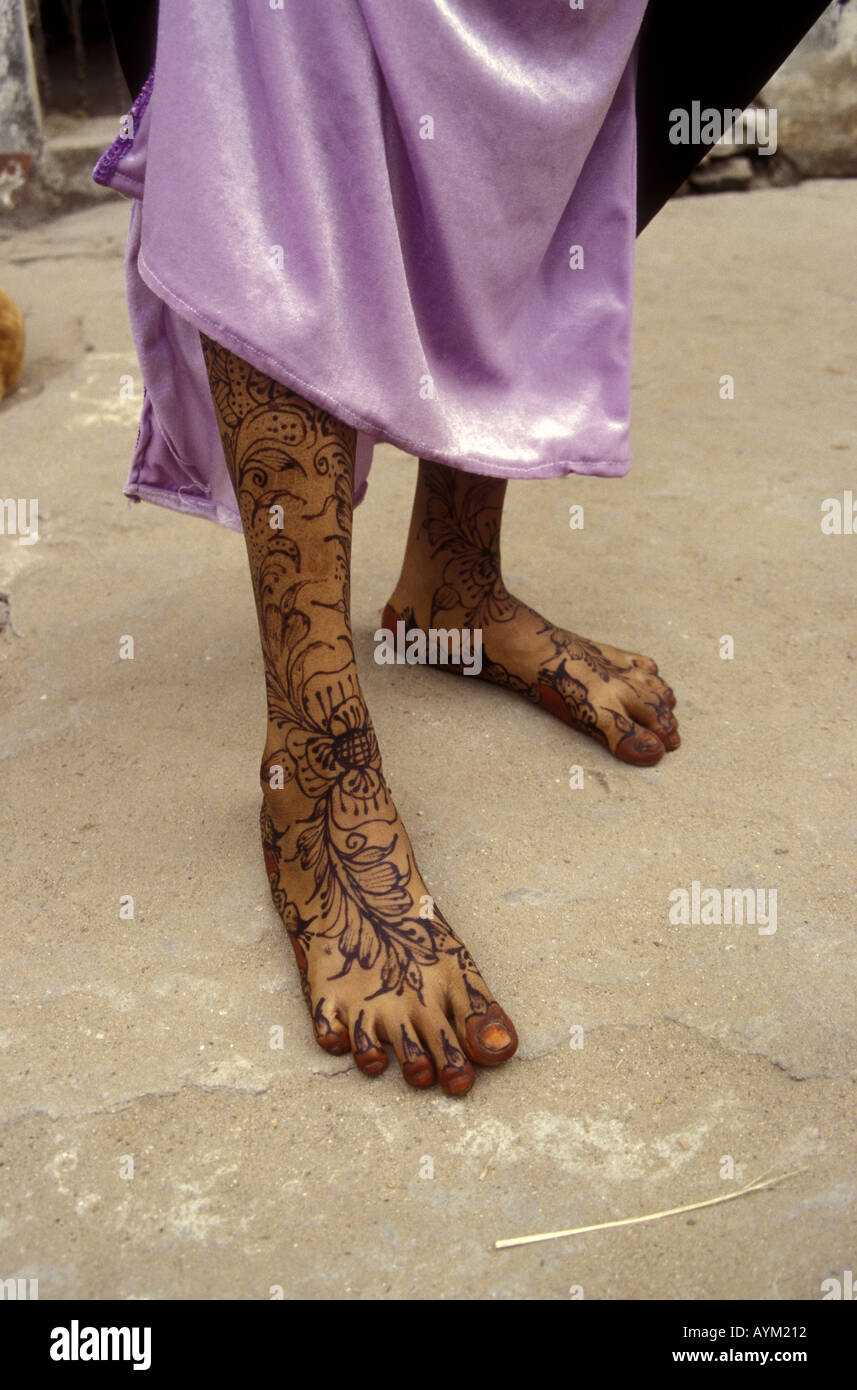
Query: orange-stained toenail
(455,1082)
(494,1035)
(490,1036)
(418,1073)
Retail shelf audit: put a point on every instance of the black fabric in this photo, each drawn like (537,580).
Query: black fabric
(134,26)
(712,55)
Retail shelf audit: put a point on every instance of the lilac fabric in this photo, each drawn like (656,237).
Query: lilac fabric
(376,204)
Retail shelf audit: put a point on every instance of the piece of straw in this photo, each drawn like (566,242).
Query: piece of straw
(755,1186)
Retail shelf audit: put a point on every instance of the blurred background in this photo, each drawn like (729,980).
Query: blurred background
(62,92)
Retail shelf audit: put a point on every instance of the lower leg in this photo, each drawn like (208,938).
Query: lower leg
(378,960)
(451,577)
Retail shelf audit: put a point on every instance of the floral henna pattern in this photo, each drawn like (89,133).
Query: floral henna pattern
(569,647)
(564,695)
(291,465)
(462,525)
(464,528)
(347,841)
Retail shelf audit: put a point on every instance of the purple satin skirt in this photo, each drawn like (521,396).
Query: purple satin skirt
(418,214)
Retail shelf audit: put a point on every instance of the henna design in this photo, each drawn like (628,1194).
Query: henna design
(412,1050)
(337,825)
(461,521)
(479,1003)
(571,701)
(464,526)
(451,1054)
(299,931)
(324,1030)
(360,1038)
(569,647)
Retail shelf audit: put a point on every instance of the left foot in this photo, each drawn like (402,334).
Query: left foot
(451,579)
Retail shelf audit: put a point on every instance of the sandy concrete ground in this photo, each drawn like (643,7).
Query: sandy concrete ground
(256,1167)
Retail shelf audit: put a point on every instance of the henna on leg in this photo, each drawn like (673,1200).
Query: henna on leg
(341,868)
(451,578)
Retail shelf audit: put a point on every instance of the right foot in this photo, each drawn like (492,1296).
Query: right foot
(378,961)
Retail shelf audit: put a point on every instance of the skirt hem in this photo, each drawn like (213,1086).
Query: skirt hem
(264,362)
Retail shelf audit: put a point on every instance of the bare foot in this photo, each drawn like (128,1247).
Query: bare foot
(379,963)
(451,579)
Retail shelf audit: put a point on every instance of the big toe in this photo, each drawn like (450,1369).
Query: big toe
(639,746)
(485,1031)
(489,1038)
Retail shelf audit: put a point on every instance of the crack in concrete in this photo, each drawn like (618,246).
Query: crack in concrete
(130,1101)
(228,1088)
(750,1052)
(706,1037)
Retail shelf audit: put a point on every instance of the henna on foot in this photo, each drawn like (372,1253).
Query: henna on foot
(451,578)
(379,963)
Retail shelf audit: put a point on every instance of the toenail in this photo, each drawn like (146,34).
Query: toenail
(494,1036)
(418,1073)
(456,1083)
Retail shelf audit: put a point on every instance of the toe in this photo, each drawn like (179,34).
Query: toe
(368,1052)
(490,1038)
(648,686)
(666,726)
(669,737)
(656,716)
(488,1035)
(645,663)
(633,743)
(330,1032)
(666,729)
(454,1071)
(415,1062)
(624,659)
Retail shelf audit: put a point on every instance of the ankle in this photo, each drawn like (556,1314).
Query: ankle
(434,598)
